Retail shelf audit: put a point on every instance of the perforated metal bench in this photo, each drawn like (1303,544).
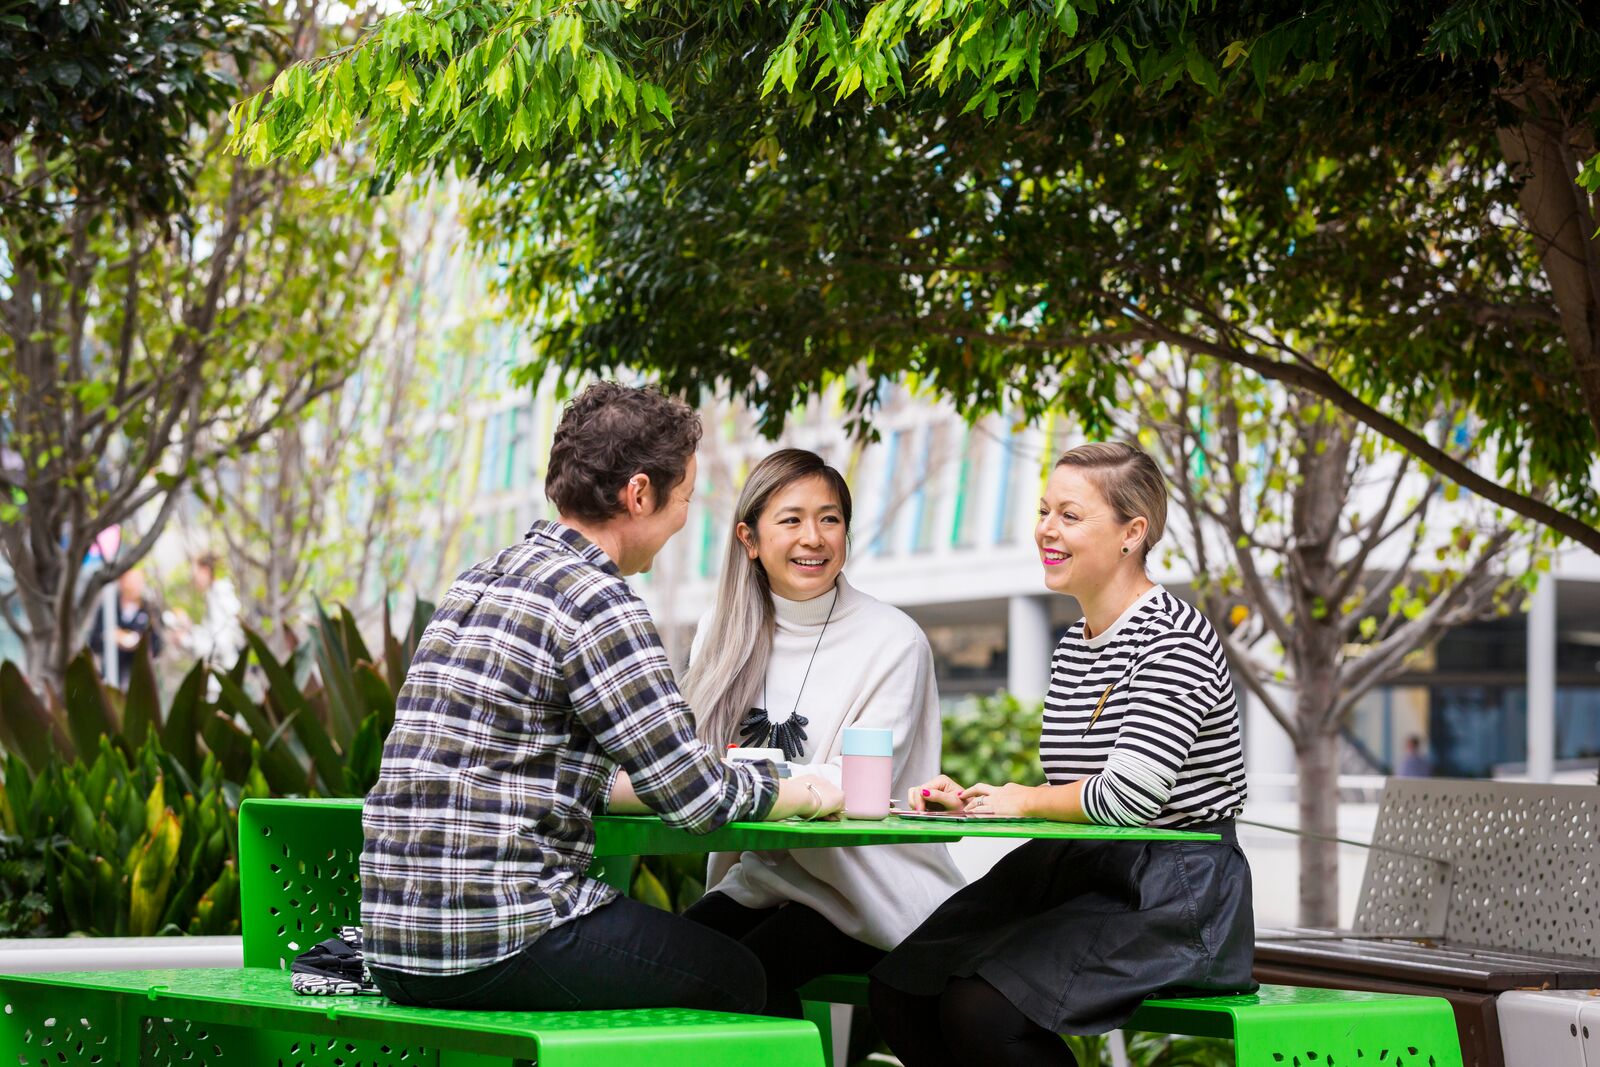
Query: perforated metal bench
(1277,1026)
(299,877)
(1470,889)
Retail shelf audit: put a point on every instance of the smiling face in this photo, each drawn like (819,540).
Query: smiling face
(1080,538)
(799,539)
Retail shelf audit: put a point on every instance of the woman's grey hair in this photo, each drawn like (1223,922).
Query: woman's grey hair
(725,678)
(1129,480)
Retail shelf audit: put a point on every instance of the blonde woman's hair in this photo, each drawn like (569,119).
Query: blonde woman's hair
(1129,480)
(725,678)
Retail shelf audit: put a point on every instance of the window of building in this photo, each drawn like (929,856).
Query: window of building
(888,505)
(936,442)
(1005,488)
(964,521)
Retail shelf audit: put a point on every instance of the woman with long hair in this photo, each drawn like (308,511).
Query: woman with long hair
(790,656)
(1140,729)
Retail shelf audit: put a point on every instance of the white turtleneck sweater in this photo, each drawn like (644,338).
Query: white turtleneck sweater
(873,668)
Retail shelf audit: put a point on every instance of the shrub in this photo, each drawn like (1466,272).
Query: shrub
(120,817)
(996,741)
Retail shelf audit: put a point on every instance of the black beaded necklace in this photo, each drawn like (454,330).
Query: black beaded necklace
(759,731)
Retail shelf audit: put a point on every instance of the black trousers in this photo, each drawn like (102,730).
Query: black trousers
(970,1022)
(793,943)
(621,955)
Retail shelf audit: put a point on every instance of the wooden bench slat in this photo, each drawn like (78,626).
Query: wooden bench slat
(1458,966)
(1429,947)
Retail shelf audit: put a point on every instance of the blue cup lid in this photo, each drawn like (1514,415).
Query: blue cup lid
(868,741)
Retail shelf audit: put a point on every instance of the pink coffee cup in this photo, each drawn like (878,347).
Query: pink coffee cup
(868,761)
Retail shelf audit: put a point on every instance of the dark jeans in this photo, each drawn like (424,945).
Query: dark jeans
(793,943)
(621,955)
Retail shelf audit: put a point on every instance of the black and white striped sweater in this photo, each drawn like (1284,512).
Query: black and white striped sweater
(1164,748)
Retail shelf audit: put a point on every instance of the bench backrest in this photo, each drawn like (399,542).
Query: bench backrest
(299,875)
(1520,866)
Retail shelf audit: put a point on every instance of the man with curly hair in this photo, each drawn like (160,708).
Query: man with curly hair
(541,677)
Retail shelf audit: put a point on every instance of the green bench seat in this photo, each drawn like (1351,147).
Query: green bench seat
(299,882)
(250,1017)
(1277,1026)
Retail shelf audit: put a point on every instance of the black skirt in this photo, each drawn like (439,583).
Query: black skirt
(1077,933)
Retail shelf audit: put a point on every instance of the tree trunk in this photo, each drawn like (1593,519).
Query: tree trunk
(1318,754)
(1545,151)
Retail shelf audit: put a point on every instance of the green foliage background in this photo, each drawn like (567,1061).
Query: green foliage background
(995,741)
(119,816)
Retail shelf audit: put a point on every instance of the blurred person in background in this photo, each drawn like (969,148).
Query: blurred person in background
(135,619)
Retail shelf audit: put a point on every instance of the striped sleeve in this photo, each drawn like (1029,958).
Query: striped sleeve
(1172,689)
(624,692)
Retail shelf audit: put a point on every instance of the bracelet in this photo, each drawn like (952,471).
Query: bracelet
(811,787)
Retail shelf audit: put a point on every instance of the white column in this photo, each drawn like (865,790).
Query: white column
(1542,681)
(1269,760)
(108,635)
(1028,647)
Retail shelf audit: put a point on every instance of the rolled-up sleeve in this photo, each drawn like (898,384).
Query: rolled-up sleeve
(1169,694)
(624,692)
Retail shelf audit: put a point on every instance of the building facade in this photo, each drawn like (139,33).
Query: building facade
(943,528)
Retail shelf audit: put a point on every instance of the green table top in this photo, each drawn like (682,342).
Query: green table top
(647,835)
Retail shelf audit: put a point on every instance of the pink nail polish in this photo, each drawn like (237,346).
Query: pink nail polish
(926,793)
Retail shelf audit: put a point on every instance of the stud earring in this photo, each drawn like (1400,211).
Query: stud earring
(1124,550)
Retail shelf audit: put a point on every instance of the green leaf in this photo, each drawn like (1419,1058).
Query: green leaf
(363,760)
(295,709)
(278,764)
(88,707)
(152,875)
(935,63)
(355,646)
(141,707)
(182,728)
(647,889)
(1094,58)
(334,663)
(27,728)
(1203,73)
(229,744)
(377,699)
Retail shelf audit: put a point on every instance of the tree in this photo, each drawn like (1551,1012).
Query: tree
(1325,557)
(159,319)
(332,501)
(1116,171)
(99,98)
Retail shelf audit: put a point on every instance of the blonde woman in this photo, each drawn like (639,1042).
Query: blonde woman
(1140,729)
(791,655)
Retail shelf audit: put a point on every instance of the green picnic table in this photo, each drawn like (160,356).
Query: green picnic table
(300,881)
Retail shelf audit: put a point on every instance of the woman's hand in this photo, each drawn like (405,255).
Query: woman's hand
(808,796)
(937,794)
(1011,800)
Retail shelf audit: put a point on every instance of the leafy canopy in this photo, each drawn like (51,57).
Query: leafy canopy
(1012,200)
(102,96)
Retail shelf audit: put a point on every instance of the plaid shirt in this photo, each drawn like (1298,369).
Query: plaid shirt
(539,675)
